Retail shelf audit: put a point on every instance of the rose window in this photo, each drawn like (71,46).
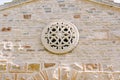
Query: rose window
(60,37)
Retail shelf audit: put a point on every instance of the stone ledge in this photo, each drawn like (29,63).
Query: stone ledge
(13,4)
(107,2)
(20,2)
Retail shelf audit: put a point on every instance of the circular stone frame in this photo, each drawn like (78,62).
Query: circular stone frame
(60,37)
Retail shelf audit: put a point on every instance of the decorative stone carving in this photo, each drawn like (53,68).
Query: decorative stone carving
(60,37)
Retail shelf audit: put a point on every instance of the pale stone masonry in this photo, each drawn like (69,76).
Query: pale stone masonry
(96,56)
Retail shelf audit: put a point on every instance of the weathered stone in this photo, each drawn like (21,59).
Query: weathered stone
(47,65)
(33,67)
(77,16)
(95,57)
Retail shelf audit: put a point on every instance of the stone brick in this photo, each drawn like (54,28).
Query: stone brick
(4,29)
(27,46)
(77,16)
(47,65)
(96,56)
(33,67)
(26,16)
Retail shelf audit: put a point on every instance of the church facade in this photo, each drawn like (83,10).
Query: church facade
(60,40)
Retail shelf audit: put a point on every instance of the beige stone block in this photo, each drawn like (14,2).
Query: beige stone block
(8,76)
(3,66)
(17,68)
(31,67)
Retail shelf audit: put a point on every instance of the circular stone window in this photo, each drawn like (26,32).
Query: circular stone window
(60,37)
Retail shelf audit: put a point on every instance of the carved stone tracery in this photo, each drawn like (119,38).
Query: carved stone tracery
(60,37)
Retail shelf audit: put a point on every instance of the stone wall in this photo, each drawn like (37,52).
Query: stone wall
(96,55)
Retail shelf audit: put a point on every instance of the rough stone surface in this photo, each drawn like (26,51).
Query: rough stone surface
(96,56)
